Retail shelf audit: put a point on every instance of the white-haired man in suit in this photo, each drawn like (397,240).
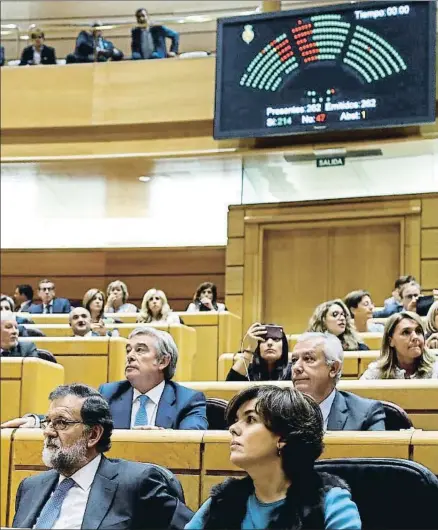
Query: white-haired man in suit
(317,360)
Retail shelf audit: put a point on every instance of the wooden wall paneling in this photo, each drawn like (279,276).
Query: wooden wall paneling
(429,274)
(235,251)
(236,223)
(234,303)
(429,243)
(251,281)
(295,258)
(429,212)
(234,280)
(412,248)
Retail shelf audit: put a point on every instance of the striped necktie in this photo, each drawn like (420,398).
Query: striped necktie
(141,418)
(50,513)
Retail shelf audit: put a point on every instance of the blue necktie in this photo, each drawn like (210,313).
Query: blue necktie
(50,513)
(141,418)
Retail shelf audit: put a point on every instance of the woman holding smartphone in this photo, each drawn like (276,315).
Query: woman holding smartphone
(265,358)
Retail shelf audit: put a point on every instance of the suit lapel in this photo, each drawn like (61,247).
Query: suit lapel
(121,409)
(101,495)
(166,411)
(338,413)
(38,498)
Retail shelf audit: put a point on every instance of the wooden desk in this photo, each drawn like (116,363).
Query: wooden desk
(425,449)
(25,385)
(355,363)
(217,466)
(372,340)
(216,333)
(84,360)
(5,470)
(418,397)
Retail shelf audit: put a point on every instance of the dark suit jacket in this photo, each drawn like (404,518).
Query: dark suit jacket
(48,55)
(2,55)
(353,413)
(25,308)
(159,34)
(179,407)
(124,495)
(60,305)
(23,349)
(85,45)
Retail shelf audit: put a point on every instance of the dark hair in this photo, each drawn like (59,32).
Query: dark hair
(401,280)
(26,290)
(293,416)
(94,411)
(139,10)
(35,32)
(202,287)
(260,367)
(353,299)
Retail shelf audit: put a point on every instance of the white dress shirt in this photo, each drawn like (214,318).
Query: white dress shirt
(37,55)
(154,396)
(326,406)
(49,305)
(73,508)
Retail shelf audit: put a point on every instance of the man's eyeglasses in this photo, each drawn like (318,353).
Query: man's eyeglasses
(46,289)
(58,424)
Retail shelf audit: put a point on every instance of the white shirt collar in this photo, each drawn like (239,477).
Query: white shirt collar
(84,477)
(326,406)
(154,394)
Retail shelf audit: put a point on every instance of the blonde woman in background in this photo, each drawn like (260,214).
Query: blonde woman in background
(403,354)
(333,316)
(117,299)
(94,302)
(432,326)
(155,308)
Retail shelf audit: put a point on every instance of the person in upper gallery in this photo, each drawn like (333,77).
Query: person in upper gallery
(117,299)
(205,299)
(38,53)
(92,47)
(361,309)
(94,302)
(148,41)
(276,437)
(403,354)
(394,304)
(317,360)
(50,304)
(83,488)
(432,327)
(23,297)
(10,345)
(265,358)
(148,399)
(155,308)
(334,317)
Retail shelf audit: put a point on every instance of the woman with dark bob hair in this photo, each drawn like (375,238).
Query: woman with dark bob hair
(266,358)
(205,299)
(277,434)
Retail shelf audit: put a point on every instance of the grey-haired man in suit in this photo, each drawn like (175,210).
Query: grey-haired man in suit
(317,360)
(84,489)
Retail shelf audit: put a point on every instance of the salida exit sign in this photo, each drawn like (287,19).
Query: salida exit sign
(330,161)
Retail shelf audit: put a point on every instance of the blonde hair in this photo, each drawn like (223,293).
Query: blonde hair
(350,339)
(145,312)
(430,318)
(387,362)
(89,296)
(122,285)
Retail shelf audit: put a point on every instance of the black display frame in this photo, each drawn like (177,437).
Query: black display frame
(219,134)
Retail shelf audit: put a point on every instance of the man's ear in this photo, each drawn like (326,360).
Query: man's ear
(94,435)
(334,369)
(164,363)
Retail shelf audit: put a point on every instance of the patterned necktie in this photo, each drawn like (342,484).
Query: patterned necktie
(50,513)
(47,309)
(141,418)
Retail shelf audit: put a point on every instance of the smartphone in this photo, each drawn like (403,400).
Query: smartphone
(274,332)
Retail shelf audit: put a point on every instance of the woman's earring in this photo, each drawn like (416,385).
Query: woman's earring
(278,450)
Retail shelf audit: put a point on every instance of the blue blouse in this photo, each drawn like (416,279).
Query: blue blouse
(340,511)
